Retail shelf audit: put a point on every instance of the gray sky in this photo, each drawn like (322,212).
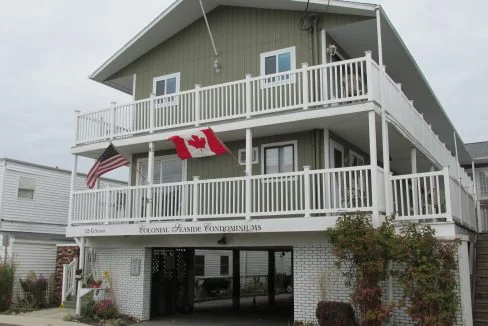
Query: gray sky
(49,47)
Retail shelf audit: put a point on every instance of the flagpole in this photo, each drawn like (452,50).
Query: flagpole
(227,148)
(132,165)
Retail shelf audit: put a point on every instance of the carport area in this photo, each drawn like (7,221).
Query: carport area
(220,313)
(208,286)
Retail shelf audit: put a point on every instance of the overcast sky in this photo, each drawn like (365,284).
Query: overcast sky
(49,47)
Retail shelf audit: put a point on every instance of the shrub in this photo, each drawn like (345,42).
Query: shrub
(330,313)
(89,310)
(215,286)
(6,282)
(35,290)
(69,317)
(105,309)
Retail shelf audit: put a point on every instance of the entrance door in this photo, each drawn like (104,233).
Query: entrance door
(172,281)
(336,161)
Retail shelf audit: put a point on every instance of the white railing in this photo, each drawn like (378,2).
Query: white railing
(408,119)
(297,193)
(421,195)
(69,280)
(333,83)
(465,208)
(433,195)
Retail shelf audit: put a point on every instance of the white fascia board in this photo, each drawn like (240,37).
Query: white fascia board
(238,125)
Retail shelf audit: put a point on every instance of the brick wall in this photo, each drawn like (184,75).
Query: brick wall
(132,293)
(314,271)
(314,265)
(64,255)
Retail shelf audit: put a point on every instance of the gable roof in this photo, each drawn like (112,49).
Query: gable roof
(182,13)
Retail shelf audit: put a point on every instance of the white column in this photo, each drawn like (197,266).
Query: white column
(386,162)
(306,185)
(413,167)
(74,172)
(378,34)
(150,176)
(373,166)
(81,266)
(248,172)
(464,283)
(327,166)
(198,104)
(248,96)
(323,37)
(305,89)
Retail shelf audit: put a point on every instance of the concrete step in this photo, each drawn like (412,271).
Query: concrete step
(70,303)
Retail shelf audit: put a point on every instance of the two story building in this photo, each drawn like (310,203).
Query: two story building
(34,202)
(324,111)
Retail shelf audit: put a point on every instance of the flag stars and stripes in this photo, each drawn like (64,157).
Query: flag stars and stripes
(108,161)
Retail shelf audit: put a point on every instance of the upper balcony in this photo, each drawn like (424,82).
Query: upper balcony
(308,87)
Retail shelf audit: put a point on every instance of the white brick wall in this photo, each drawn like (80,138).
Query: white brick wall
(132,293)
(311,264)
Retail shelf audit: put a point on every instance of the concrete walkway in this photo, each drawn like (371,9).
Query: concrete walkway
(44,317)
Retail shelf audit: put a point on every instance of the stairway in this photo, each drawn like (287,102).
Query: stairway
(481,286)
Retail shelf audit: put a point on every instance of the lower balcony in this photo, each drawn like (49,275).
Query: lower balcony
(313,197)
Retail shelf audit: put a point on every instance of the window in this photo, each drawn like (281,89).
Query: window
(355,159)
(224,265)
(26,189)
(167,169)
(242,156)
(279,157)
(166,85)
(483,183)
(199,265)
(278,61)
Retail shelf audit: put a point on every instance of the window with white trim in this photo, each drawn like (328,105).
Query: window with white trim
(483,181)
(242,156)
(355,159)
(167,169)
(166,85)
(275,62)
(27,186)
(279,157)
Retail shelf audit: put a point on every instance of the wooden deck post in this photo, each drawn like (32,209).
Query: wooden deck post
(236,279)
(271,278)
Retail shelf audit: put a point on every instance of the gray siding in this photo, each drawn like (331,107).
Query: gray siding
(34,256)
(241,35)
(48,211)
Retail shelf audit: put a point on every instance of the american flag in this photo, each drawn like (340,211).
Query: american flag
(108,161)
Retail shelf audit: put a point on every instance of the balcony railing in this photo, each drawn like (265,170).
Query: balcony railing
(304,193)
(432,195)
(302,88)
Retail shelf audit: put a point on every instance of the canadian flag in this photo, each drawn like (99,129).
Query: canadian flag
(198,144)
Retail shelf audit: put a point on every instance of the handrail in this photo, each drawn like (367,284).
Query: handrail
(69,279)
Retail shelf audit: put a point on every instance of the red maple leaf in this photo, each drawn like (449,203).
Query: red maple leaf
(197,142)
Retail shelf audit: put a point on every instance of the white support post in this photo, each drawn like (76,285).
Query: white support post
(150,177)
(107,205)
(465,284)
(63,286)
(306,184)
(327,166)
(475,192)
(113,115)
(198,104)
(447,189)
(248,172)
(77,125)
(413,163)
(305,91)
(152,107)
(373,166)
(195,198)
(74,173)
(378,34)
(80,281)
(248,96)
(369,75)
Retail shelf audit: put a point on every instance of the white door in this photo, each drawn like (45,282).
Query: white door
(337,188)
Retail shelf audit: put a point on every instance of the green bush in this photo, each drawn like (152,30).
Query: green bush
(89,310)
(105,309)
(7,272)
